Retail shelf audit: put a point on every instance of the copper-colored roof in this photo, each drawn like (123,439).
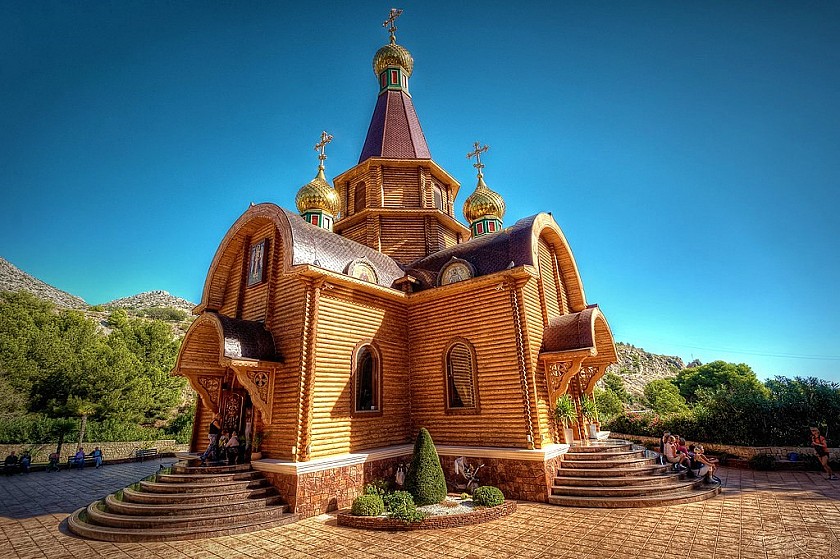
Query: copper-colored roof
(570,331)
(394,130)
(509,248)
(247,339)
(328,250)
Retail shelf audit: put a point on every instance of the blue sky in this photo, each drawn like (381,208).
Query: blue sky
(689,151)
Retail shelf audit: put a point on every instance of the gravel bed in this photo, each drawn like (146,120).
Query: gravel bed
(440,510)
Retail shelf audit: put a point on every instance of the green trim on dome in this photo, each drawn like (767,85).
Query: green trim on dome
(319,218)
(393,79)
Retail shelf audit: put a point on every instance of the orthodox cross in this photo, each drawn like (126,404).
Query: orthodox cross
(392,17)
(479,149)
(321,146)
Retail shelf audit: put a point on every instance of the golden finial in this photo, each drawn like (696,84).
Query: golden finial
(479,149)
(392,18)
(321,147)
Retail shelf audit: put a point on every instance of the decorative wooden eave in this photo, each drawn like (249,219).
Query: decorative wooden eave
(259,382)
(314,272)
(560,367)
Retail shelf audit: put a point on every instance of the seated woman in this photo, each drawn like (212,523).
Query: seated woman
(232,448)
(708,465)
(53,465)
(672,457)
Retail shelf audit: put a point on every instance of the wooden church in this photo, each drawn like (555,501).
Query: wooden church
(335,332)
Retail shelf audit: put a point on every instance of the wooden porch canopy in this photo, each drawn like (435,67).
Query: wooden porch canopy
(576,344)
(216,344)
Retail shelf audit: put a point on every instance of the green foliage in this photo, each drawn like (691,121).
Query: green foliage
(716,375)
(589,407)
(407,512)
(425,480)
(663,397)
(60,364)
(764,462)
(181,426)
(564,410)
(376,487)
(169,314)
(615,384)
(368,505)
(97,308)
(488,496)
(397,499)
(609,404)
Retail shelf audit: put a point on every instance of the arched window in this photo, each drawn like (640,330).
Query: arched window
(437,194)
(460,378)
(367,381)
(360,199)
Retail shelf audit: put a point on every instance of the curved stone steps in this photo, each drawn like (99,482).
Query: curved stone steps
(671,498)
(614,472)
(623,491)
(142,509)
(587,464)
(79,526)
(183,506)
(618,481)
(211,519)
(157,487)
(610,454)
(205,478)
(217,469)
(216,497)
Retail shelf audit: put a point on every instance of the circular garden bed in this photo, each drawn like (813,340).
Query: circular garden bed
(432,521)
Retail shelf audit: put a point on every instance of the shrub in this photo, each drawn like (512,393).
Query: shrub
(425,479)
(763,462)
(368,505)
(564,410)
(376,487)
(397,499)
(407,513)
(488,496)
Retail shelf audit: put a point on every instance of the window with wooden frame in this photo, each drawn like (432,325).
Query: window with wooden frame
(437,194)
(367,380)
(360,198)
(461,390)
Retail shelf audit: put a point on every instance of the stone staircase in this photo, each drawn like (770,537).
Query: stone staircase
(184,502)
(615,474)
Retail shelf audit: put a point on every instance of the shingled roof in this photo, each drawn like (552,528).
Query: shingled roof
(394,130)
(319,247)
(570,331)
(247,339)
(509,248)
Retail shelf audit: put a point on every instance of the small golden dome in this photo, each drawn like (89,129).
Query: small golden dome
(393,54)
(483,202)
(317,194)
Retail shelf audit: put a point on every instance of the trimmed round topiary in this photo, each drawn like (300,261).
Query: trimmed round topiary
(425,479)
(488,496)
(368,505)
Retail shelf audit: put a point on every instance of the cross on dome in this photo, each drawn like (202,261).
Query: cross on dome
(479,149)
(321,146)
(392,18)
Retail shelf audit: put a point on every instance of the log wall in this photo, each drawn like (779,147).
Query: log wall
(347,319)
(401,187)
(403,238)
(485,319)
(533,318)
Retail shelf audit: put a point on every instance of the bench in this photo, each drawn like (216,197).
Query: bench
(143,453)
(71,461)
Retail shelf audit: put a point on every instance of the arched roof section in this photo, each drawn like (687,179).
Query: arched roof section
(302,243)
(511,247)
(214,339)
(583,330)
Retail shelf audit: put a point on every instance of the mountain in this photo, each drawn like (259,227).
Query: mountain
(638,367)
(151,299)
(13,278)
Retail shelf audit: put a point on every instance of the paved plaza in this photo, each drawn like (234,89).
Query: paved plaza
(759,515)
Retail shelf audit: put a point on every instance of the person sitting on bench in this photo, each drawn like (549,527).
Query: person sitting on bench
(79,459)
(53,465)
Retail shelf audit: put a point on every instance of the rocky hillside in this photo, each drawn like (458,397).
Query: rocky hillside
(151,299)
(638,367)
(13,278)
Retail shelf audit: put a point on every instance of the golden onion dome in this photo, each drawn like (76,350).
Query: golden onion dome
(317,194)
(483,203)
(393,54)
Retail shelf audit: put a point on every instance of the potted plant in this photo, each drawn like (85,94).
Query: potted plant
(255,445)
(589,409)
(565,414)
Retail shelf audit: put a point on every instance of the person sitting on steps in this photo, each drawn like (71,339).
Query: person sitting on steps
(708,466)
(679,461)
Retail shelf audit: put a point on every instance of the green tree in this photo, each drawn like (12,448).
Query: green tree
(609,404)
(425,480)
(663,397)
(615,384)
(716,375)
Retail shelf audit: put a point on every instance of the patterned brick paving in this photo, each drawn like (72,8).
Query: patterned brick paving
(759,515)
